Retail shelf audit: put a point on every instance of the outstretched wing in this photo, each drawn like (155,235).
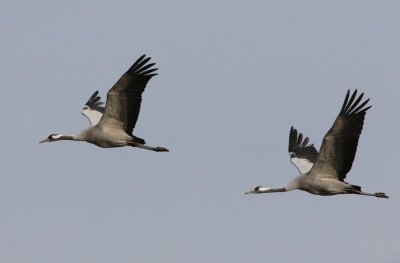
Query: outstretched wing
(125,97)
(340,143)
(93,109)
(302,155)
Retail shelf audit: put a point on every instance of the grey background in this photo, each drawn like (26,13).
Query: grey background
(233,77)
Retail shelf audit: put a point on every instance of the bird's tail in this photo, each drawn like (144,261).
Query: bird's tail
(356,187)
(138,140)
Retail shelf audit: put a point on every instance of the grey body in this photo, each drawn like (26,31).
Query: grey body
(104,138)
(112,125)
(323,173)
(318,186)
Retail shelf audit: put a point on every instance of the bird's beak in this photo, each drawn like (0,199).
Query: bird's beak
(45,140)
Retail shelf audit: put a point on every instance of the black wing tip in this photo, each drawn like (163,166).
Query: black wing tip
(351,104)
(94,102)
(296,139)
(301,147)
(142,68)
(292,139)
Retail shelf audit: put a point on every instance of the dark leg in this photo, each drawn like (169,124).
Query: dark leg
(147,147)
(379,194)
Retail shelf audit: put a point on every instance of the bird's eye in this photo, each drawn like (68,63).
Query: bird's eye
(257,188)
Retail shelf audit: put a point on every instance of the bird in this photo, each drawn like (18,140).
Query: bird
(323,173)
(119,116)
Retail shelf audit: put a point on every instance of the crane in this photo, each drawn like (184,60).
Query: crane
(115,126)
(323,173)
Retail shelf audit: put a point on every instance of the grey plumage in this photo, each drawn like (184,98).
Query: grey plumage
(335,158)
(121,112)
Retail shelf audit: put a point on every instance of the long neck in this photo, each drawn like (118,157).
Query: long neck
(264,190)
(274,190)
(61,137)
(66,137)
(295,183)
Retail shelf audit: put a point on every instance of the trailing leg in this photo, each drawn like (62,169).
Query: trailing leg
(148,147)
(378,194)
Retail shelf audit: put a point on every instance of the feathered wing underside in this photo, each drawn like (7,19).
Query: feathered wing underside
(125,97)
(302,155)
(339,145)
(93,109)
(93,116)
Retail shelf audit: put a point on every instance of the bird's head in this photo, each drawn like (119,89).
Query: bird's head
(258,190)
(52,137)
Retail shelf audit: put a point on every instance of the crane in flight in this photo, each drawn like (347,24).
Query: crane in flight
(113,125)
(323,173)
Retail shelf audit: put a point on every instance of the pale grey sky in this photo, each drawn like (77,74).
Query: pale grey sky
(233,77)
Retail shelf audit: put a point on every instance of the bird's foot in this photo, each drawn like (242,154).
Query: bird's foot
(161,149)
(381,195)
